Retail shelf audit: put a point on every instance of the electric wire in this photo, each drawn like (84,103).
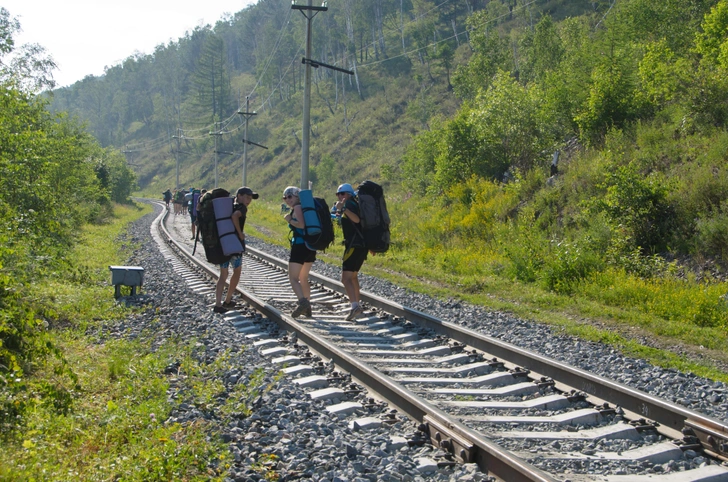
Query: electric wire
(467,30)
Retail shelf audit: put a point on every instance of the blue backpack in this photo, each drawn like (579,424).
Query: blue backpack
(319,231)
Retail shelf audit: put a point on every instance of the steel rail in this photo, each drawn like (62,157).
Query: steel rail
(449,433)
(712,434)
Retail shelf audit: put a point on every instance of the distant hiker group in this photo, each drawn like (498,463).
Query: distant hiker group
(218,222)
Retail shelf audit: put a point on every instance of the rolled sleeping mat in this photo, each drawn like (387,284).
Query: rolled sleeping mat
(229,241)
(310,217)
(195,200)
(223,207)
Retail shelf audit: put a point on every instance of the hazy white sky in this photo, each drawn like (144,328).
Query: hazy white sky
(84,36)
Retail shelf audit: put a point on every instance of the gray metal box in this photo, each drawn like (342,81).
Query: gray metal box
(127,275)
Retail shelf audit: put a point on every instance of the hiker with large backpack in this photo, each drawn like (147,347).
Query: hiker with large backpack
(301,259)
(243,197)
(221,221)
(355,250)
(193,199)
(167,197)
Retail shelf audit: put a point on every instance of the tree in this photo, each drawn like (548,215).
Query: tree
(211,81)
(28,67)
(541,51)
(491,53)
(712,42)
(510,126)
(446,54)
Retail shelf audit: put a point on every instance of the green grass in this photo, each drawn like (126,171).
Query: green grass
(115,429)
(104,420)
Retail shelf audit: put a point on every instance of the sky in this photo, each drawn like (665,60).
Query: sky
(84,36)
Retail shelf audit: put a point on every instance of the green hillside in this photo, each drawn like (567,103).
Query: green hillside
(404,55)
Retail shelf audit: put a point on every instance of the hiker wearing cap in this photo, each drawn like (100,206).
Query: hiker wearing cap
(355,251)
(243,197)
(302,258)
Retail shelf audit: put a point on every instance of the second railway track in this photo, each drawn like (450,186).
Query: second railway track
(519,415)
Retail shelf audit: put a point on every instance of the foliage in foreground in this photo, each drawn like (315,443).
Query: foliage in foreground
(54,179)
(114,426)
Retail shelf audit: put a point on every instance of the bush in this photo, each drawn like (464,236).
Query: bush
(567,264)
(712,233)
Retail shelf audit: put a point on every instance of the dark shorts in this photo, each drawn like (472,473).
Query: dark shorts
(193,218)
(300,254)
(354,258)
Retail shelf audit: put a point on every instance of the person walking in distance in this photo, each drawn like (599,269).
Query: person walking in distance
(355,251)
(243,197)
(301,258)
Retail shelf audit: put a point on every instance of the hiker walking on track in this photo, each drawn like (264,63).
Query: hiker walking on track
(193,198)
(243,197)
(301,258)
(179,199)
(167,197)
(355,251)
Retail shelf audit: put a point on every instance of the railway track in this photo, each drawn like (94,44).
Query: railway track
(519,415)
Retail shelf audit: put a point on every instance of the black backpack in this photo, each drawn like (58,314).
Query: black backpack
(374,216)
(207,227)
(321,239)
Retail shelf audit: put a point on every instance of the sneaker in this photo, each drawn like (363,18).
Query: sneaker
(303,304)
(220,309)
(354,313)
(230,305)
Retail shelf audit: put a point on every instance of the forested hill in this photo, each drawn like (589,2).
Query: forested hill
(404,54)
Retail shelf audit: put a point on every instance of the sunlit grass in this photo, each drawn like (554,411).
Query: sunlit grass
(116,428)
(84,293)
(107,421)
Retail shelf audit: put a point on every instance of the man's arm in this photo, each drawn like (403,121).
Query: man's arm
(236,222)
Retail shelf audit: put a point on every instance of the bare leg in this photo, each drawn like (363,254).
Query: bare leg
(233,284)
(303,279)
(220,286)
(294,277)
(350,281)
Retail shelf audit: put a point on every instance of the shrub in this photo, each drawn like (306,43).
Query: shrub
(712,233)
(567,264)
(525,250)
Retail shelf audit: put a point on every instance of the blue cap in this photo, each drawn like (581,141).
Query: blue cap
(346,187)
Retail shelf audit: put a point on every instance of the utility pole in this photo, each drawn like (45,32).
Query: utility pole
(129,156)
(176,154)
(247,114)
(307,95)
(309,12)
(216,134)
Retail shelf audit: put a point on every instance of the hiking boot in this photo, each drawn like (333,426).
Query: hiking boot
(220,309)
(303,305)
(354,313)
(308,313)
(230,305)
